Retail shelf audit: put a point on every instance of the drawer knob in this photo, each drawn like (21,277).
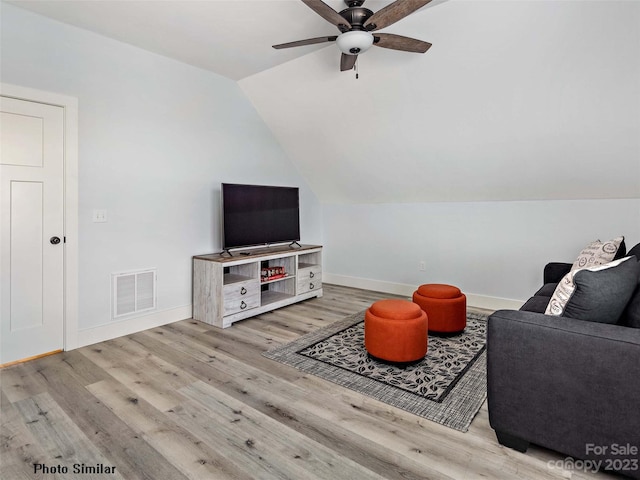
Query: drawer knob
(243,305)
(311,286)
(243,291)
(311,275)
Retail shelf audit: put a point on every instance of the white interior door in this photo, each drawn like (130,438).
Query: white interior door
(32,229)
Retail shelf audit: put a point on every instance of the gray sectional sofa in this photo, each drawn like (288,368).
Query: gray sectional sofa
(571,385)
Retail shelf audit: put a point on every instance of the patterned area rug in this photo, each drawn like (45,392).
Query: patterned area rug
(447,387)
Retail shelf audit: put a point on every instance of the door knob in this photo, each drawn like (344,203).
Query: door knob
(54,240)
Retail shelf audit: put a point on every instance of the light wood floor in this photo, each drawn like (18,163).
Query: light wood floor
(192,401)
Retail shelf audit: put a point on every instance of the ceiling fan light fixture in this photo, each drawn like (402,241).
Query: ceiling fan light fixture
(354,42)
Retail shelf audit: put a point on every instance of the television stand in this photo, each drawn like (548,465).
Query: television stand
(294,243)
(230,288)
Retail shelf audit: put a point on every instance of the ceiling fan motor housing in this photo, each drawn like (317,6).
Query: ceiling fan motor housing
(356,16)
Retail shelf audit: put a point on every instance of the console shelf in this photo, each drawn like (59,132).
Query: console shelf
(265,282)
(271,296)
(230,278)
(227,288)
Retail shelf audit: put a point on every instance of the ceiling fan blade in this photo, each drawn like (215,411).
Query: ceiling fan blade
(392,13)
(347,62)
(328,13)
(398,42)
(308,41)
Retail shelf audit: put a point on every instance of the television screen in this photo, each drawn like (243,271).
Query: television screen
(259,215)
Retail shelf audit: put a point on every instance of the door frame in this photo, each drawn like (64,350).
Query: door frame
(70,273)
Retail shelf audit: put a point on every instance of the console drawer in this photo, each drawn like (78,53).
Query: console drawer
(240,296)
(309,279)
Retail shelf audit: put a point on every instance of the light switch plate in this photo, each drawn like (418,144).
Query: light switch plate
(99,216)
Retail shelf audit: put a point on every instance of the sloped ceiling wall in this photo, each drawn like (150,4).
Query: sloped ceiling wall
(515,100)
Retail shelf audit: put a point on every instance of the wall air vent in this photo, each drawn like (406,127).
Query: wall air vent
(133,292)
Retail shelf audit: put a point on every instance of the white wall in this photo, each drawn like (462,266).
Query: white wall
(488,249)
(156,139)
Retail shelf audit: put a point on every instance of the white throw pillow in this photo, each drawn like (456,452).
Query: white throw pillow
(597,253)
(566,287)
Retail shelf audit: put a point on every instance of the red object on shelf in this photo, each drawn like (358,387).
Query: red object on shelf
(275,277)
(272,273)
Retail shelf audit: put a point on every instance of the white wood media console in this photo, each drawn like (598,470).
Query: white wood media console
(230,288)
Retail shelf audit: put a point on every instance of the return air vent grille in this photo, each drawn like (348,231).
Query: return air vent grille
(133,292)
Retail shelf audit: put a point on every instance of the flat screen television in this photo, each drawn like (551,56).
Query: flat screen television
(259,215)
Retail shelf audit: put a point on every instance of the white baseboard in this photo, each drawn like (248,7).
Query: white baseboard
(93,335)
(492,303)
(473,300)
(369,284)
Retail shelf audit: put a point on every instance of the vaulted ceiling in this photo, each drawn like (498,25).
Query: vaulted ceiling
(516,100)
(230,37)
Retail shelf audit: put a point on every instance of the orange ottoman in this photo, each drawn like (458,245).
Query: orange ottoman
(395,331)
(445,305)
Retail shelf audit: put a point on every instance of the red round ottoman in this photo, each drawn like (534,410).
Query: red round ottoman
(395,331)
(445,305)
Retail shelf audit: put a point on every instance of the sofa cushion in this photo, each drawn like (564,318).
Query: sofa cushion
(546,290)
(567,287)
(536,304)
(631,315)
(635,251)
(602,293)
(622,251)
(598,253)
(554,271)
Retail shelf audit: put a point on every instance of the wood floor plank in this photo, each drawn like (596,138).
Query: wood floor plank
(186,452)
(271,332)
(60,438)
(66,378)
(19,449)
(281,408)
(191,401)
(145,374)
(17,382)
(290,454)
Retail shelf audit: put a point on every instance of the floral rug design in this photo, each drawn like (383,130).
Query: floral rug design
(433,378)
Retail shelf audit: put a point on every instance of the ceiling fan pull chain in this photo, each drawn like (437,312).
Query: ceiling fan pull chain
(355,67)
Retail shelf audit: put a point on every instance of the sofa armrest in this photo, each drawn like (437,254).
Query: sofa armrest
(564,384)
(554,271)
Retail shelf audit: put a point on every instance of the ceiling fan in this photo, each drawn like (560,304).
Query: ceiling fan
(356,24)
